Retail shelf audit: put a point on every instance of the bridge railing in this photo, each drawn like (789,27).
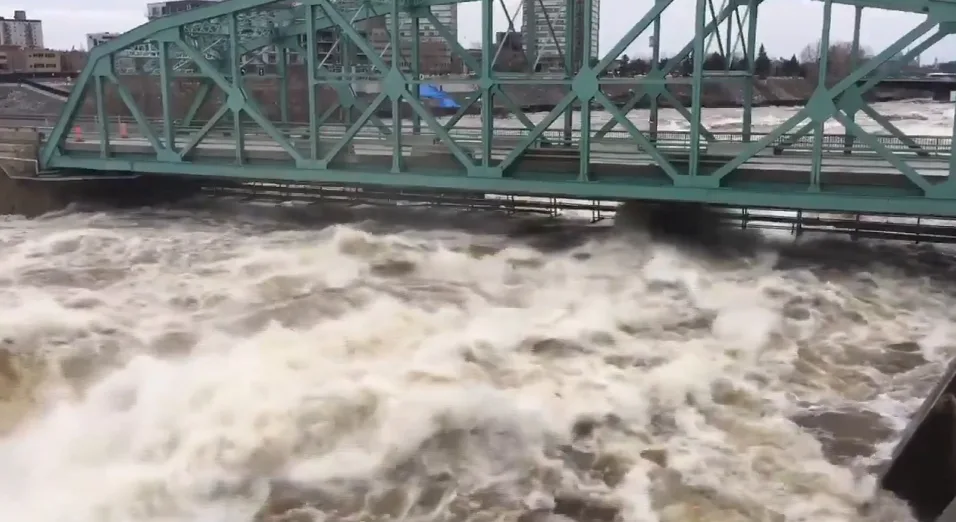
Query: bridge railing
(666,139)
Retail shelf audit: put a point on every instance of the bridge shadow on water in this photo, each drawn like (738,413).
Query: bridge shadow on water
(694,230)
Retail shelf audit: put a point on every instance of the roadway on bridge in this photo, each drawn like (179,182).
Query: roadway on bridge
(616,158)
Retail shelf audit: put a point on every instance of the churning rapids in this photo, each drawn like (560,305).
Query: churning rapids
(227,364)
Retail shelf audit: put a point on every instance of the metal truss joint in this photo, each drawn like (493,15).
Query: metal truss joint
(477,171)
(168,35)
(347,100)
(168,156)
(820,106)
(395,83)
(850,100)
(311,164)
(102,66)
(697,182)
(947,27)
(236,100)
(419,11)
(485,83)
(585,84)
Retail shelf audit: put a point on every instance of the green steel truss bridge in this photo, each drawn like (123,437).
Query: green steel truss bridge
(202,117)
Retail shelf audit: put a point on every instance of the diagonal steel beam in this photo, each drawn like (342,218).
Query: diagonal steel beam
(236,97)
(658,76)
(820,99)
(852,99)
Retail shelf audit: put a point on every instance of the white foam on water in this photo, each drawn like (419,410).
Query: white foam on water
(191,360)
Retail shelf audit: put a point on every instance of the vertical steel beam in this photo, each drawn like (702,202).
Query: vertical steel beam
(416,70)
(698,85)
(283,70)
(235,61)
(396,44)
(752,6)
(820,119)
(729,39)
(348,69)
(311,80)
(715,36)
(169,127)
(655,65)
(584,170)
(101,118)
(530,20)
(854,61)
(570,61)
(487,81)
(951,178)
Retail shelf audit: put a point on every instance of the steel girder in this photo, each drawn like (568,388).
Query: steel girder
(486,165)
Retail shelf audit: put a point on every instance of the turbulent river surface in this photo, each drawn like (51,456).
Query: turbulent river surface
(223,363)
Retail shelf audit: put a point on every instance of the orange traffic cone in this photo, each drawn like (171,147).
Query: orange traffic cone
(78,132)
(123,131)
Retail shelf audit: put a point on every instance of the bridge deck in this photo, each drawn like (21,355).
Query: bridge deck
(608,160)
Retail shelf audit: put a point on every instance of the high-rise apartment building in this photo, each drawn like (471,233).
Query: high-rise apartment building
(554,16)
(21,31)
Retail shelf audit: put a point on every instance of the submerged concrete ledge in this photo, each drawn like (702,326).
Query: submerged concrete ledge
(35,197)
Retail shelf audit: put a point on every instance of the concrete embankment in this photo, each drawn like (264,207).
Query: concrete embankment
(24,190)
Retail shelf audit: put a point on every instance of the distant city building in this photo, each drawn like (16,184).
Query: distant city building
(14,58)
(94,39)
(43,60)
(446,14)
(554,16)
(436,54)
(21,31)
(160,9)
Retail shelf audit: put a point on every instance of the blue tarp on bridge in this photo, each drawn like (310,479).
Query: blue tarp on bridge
(432,92)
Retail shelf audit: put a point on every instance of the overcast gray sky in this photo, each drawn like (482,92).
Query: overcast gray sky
(785,26)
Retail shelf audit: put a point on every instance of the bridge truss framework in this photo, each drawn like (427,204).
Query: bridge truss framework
(245,140)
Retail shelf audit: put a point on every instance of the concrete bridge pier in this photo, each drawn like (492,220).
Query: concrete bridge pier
(35,197)
(945,94)
(667,218)
(23,191)
(19,149)
(29,199)
(922,469)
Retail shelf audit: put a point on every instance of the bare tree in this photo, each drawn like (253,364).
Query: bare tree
(840,59)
